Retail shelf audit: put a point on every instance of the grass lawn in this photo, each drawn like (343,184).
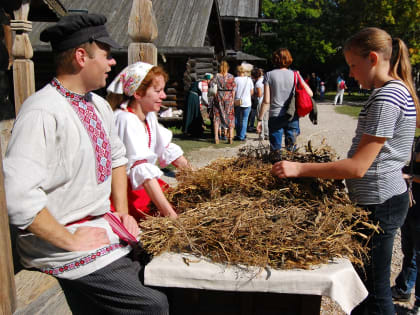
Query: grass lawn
(354,110)
(351,110)
(354,97)
(189,144)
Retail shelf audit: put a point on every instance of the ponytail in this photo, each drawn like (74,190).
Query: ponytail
(375,39)
(401,69)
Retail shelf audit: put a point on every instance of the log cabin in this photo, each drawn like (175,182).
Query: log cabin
(193,36)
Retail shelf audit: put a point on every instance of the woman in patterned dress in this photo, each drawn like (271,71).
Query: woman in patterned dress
(223,109)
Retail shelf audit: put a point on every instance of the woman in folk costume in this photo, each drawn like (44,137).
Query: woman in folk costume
(137,93)
(193,123)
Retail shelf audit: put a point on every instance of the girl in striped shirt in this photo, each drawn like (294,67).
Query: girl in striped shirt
(379,150)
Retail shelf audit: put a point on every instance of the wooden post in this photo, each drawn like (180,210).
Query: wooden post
(238,39)
(142,29)
(23,67)
(7,279)
(146,52)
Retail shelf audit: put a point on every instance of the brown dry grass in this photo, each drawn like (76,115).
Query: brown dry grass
(234,211)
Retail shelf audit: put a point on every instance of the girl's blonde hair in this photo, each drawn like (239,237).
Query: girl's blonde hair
(115,100)
(224,67)
(393,49)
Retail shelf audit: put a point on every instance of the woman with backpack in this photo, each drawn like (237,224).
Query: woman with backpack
(279,88)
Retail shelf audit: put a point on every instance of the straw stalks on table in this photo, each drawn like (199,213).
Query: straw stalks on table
(235,211)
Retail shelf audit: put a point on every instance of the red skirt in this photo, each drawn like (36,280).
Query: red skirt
(139,201)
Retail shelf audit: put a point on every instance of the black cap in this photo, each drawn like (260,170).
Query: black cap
(76,29)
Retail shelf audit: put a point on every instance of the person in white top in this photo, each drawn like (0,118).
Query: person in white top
(244,90)
(138,91)
(259,91)
(203,86)
(341,87)
(62,159)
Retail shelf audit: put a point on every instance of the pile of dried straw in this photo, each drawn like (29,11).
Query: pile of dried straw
(235,211)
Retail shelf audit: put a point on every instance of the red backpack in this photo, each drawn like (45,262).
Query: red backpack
(342,85)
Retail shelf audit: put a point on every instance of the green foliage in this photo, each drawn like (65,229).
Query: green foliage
(349,110)
(189,144)
(315,30)
(354,111)
(400,18)
(302,27)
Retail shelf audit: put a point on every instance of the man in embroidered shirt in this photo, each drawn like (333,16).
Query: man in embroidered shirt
(63,157)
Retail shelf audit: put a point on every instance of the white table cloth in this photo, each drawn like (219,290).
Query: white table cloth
(337,280)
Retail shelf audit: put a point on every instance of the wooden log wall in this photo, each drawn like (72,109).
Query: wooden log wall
(182,73)
(196,68)
(175,95)
(174,89)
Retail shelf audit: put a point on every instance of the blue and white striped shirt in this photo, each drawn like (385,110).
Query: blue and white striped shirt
(390,113)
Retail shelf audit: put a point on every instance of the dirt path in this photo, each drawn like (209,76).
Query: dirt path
(337,129)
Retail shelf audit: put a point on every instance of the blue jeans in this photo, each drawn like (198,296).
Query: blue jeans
(410,245)
(251,119)
(279,125)
(241,121)
(390,215)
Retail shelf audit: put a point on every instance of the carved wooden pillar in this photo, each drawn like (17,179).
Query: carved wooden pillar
(238,39)
(7,278)
(23,67)
(142,29)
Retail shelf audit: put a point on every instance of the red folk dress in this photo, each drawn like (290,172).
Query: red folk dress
(145,147)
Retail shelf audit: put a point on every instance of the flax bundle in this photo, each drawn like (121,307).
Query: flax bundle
(235,211)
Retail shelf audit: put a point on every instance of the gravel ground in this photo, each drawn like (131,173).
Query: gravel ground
(337,130)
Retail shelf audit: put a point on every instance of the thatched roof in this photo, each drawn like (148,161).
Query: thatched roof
(181,23)
(239,8)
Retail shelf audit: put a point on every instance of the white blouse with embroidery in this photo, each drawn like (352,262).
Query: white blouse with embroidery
(145,146)
(50,163)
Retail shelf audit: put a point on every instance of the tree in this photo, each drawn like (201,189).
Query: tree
(399,18)
(315,30)
(302,27)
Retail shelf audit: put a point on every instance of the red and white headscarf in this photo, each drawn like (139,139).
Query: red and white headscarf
(129,79)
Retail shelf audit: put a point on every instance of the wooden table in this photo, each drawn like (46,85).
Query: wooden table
(197,286)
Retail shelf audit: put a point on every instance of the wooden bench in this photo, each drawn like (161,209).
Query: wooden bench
(38,293)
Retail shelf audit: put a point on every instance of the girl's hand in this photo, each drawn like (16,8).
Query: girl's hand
(173,215)
(181,163)
(285,169)
(259,127)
